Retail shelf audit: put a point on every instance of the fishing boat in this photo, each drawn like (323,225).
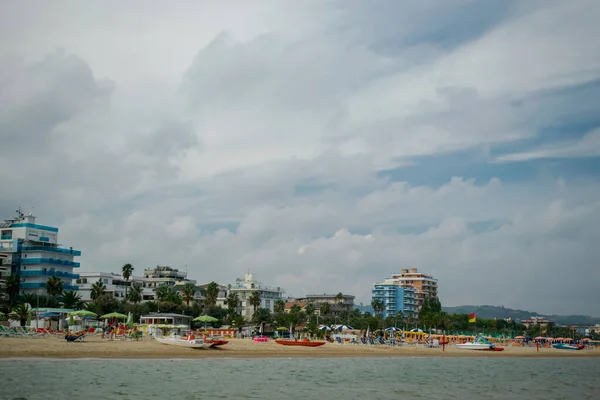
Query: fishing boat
(295,342)
(189,341)
(565,346)
(480,343)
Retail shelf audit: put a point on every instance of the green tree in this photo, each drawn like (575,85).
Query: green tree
(135,296)
(262,316)
(212,293)
(105,304)
(71,300)
(54,286)
(254,300)
(163,292)
(97,289)
(188,292)
(127,272)
(309,309)
(20,313)
(378,306)
(279,306)
(13,286)
(232,303)
(324,309)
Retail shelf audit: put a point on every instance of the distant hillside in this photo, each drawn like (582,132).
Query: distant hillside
(487,312)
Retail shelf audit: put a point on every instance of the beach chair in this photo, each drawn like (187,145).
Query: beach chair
(363,341)
(392,342)
(338,340)
(372,341)
(75,338)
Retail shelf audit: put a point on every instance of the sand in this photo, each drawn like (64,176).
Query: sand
(96,347)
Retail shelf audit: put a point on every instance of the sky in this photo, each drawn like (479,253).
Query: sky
(322,145)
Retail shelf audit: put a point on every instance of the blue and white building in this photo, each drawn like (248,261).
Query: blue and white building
(32,251)
(396,299)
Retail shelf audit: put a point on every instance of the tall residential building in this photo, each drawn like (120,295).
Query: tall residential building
(244,289)
(396,300)
(115,285)
(422,285)
(163,275)
(32,252)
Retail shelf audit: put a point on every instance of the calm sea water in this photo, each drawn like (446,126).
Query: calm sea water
(331,379)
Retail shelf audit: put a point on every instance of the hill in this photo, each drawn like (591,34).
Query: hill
(487,312)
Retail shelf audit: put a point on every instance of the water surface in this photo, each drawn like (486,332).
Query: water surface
(331,379)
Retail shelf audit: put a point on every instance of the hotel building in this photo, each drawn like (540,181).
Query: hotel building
(247,286)
(115,285)
(163,275)
(346,303)
(418,287)
(32,252)
(396,300)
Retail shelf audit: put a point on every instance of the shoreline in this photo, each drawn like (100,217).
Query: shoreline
(95,348)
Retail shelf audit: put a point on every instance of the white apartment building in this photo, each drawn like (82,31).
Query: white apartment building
(32,252)
(163,275)
(244,289)
(115,285)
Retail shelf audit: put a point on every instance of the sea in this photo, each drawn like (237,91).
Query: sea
(302,378)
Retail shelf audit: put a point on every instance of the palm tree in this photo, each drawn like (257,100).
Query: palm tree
(254,300)
(135,296)
(261,316)
(71,300)
(127,271)
(97,289)
(20,313)
(232,302)
(339,298)
(13,285)
(188,292)
(378,306)
(163,292)
(212,292)
(279,306)
(54,286)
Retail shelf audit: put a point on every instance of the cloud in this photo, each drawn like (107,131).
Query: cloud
(587,146)
(221,141)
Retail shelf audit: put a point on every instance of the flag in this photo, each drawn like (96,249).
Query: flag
(472,317)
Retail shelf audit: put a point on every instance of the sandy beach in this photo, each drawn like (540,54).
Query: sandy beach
(95,347)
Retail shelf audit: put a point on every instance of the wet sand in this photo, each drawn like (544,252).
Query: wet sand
(96,347)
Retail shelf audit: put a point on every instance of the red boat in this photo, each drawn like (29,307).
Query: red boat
(217,342)
(303,342)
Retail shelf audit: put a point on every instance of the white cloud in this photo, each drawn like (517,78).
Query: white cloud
(587,146)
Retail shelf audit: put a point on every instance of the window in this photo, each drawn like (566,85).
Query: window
(105,281)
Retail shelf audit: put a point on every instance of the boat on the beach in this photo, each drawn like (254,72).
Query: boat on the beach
(217,342)
(480,343)
(565,346)
(189,342)
(296,342)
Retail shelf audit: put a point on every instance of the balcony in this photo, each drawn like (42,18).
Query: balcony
(51,249)
(59,274)
(55,261)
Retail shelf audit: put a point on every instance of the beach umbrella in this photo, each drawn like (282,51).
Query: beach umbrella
(393,329)
(322,328)
(114,315)
(83,313)
(342,327)
(205,319)
(417,330)
(129,320)
(29,318)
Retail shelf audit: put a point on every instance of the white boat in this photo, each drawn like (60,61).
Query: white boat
(480,343)
(184,342)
